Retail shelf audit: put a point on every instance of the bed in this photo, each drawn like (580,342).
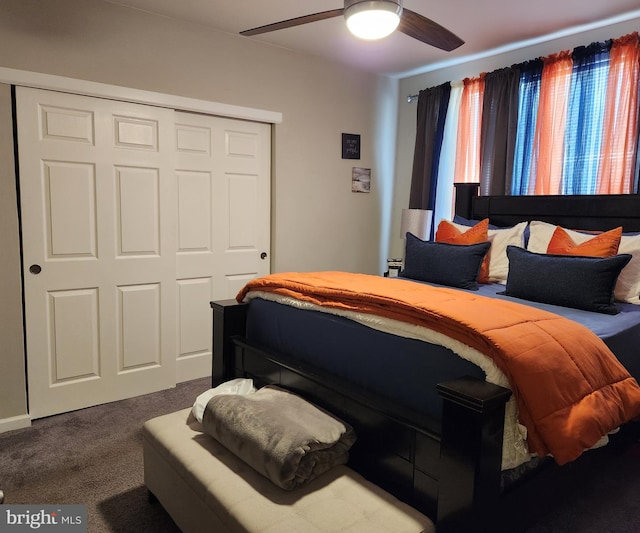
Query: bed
(430,430)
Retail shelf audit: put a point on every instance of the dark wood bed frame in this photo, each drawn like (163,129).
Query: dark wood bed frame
(452,474)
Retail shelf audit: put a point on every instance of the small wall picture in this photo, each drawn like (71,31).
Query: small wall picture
(350,146)
(360,179)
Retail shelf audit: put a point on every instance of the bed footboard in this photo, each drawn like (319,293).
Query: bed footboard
(448,469)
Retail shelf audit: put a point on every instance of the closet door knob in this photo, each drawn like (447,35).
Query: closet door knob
(35,269)
(263,255)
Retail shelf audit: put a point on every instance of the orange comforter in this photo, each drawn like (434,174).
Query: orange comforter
(570,389)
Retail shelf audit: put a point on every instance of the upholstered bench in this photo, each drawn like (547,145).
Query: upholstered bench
(206,488)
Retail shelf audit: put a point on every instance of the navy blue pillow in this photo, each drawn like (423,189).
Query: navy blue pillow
(455,265)
(457,219)
(570,281)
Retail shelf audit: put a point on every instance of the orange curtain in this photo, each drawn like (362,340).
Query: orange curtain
(467,168)
(548,143)
(620,128)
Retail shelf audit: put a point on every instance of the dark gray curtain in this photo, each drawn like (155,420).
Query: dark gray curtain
(499,126)
(432,111)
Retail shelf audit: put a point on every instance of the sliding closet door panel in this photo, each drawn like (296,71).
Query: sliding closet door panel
(223,175)
(242,205)
(98,191)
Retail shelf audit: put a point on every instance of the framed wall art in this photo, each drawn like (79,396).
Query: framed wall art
(360,179)
(350,146)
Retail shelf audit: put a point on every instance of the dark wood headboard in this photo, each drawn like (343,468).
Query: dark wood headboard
(589,212)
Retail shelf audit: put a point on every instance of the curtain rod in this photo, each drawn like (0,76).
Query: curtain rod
(411,98)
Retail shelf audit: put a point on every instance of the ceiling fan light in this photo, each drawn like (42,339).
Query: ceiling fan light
(374,19)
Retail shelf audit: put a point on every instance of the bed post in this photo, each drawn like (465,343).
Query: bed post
(465,193)
(229,319)
(470,451)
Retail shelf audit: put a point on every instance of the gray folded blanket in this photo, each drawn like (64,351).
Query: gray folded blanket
(282,436)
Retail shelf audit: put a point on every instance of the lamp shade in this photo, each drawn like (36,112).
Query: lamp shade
(373,19)
(417,222)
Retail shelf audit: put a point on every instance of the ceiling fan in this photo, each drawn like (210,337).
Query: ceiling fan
(364,17)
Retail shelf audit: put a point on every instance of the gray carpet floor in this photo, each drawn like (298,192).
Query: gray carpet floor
(92,456)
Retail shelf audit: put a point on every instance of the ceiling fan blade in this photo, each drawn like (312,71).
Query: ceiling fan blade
(315,17)
(427,31)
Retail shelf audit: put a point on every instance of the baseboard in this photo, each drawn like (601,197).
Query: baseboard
(14,422)
(190,367)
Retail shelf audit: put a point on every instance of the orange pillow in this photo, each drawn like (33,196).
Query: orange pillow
(448,233)
(603,245)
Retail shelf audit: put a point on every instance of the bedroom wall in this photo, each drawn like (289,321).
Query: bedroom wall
(318,223)
(413,84)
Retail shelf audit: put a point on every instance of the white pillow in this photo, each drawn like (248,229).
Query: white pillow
(540,234)
(628,285)
(500,238)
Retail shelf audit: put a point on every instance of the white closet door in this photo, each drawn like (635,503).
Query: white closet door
(98,192)
(223,170)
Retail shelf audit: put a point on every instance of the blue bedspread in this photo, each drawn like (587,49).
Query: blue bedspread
(401,369)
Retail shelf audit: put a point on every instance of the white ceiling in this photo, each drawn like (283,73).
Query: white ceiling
(483,24)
